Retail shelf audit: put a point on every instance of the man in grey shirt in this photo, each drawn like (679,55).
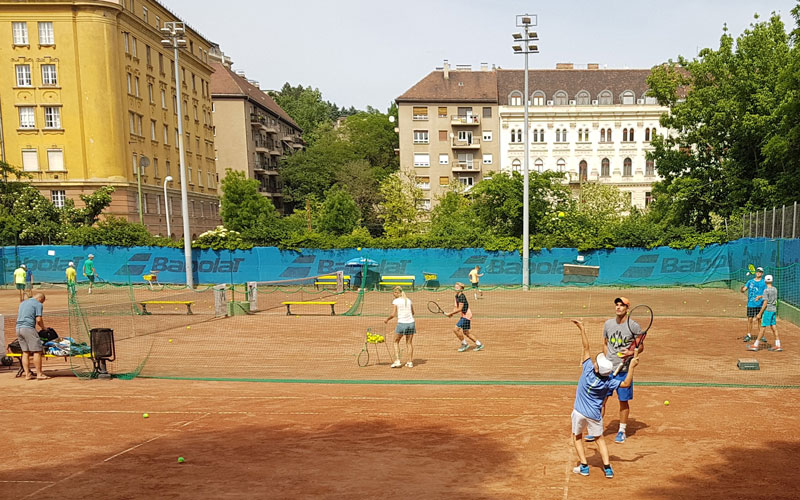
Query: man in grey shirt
(768,316)
(29,317)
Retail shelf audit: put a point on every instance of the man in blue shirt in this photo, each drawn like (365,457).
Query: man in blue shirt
(29,317)
(594,386)
(754,288)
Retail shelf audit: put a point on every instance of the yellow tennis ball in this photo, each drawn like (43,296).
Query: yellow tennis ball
(561,214)
(170,341)
(666,403)
(145,415)
(181,460)
(188,327)
(359,249)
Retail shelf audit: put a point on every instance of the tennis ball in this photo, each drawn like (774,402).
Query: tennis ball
(170,341)
(666,403)
(181,460)
(684,301)
(145,415)
(561,214)
(562,312)
(359,249)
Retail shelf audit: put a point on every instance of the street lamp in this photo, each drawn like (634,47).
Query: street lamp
(166,204)
(523,45)
(172,34)
(144,162)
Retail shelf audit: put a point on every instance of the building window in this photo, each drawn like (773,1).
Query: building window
(134,164)
(624,135)
(487,112)
(163,99)
(648,198)
(200,183)
(158,204)
(561,164)
(602,135)
(535,135)
(419,113)
(583,171)
(487,136)
(24,75)
(155,168)
(58,198)
(30,160)
(647,135)
(27,117)
(420,137)
(46,36)
(166,134)
(444,180)
(606,97)
(20,31)
(649,168)
(153,130)
(539,165)
(126,39)
(627,167)
(628,97)
(139,125)
(515,98)
(55,160)
(424,182)
(608,135)
(561,98)
(487,159)
(49,76)
(443,135)
(150,92)
(191,181)
(196,116)
(158,22)
(136,86)
(144,15)
(631,135)
(52,117)
(422,160)
(516,165)
(538,98)
(131,122)
(161,63)
(130,83)
(134,47)
(605,168)
(466,181)
(444,159)
(583,98)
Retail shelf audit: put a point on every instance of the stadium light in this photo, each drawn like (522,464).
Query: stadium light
(525,22)
(173,37)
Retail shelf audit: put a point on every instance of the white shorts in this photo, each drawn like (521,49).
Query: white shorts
(581,423)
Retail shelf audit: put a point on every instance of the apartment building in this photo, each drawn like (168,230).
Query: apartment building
(449,129)
(90,92)
(253,133)
(594,124)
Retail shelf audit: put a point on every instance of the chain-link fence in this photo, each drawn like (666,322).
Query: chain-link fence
(779,222)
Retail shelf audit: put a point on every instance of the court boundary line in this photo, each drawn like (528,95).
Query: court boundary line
(461,382)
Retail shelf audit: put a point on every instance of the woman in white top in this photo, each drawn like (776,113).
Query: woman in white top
(404,311)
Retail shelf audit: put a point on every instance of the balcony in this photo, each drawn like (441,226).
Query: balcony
(467,166)
(456,120)
(261,147)
(473,143)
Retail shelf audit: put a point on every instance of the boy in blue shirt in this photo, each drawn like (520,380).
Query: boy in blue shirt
(754,288)
(594,386)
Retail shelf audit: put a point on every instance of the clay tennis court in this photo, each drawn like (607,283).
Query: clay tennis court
(373,432)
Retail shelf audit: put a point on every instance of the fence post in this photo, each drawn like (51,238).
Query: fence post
(783,219)
(750,225)
(772,233)
(764,231)
(794,219)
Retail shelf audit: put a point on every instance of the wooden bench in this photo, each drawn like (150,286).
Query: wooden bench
(289,304)
(331,280)
(21,371)
(187,303)
(392,281)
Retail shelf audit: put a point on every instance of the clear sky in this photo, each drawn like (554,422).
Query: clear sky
(368,52)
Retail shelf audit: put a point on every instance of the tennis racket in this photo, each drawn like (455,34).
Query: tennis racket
(434,307)
(751,269)
(640,319)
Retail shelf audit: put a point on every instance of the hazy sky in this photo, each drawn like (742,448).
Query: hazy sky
(368,52)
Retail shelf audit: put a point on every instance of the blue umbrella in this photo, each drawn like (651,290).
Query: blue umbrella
(361,261)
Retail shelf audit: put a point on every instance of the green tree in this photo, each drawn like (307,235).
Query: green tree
(306,107)
(399,209)
(361,181)
(339,213)
(715,161)
(242,205)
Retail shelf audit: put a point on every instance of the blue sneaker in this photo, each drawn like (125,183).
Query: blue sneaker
(590,439)
(764,339)
(608,471)
(478,348)
(582,469)
(748,338)
(620,437)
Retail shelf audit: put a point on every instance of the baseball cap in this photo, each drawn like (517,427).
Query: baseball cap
(760,269)
(71,264)
(624,300)
(91,256)
(23,266)
(604,365)
(768,278)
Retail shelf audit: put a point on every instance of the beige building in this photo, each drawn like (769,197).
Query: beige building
(252,131)
(89,91)
(449,129)
(594,124)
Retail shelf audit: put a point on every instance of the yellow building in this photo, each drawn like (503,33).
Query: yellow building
(87,90)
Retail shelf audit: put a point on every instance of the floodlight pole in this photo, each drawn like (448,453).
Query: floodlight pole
(525,21)
(173,33)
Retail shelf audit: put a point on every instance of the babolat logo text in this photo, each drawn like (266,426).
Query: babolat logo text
(138,264)
(642,271)
(672,265)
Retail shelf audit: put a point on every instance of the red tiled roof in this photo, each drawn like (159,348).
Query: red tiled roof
(461,86)
(573,81)
(225,82)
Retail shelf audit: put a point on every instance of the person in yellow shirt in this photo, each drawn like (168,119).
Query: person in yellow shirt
(71,278)
(19,280)
(475,278)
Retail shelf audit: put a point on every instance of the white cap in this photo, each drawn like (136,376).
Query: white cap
(71,264)
(91,256)
(604,365)
(23,266)
(768,278)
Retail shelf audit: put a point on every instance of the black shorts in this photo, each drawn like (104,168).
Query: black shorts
(752,312)
(474,285)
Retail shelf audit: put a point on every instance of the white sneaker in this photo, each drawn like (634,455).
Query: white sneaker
(409,365)
(397,364)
